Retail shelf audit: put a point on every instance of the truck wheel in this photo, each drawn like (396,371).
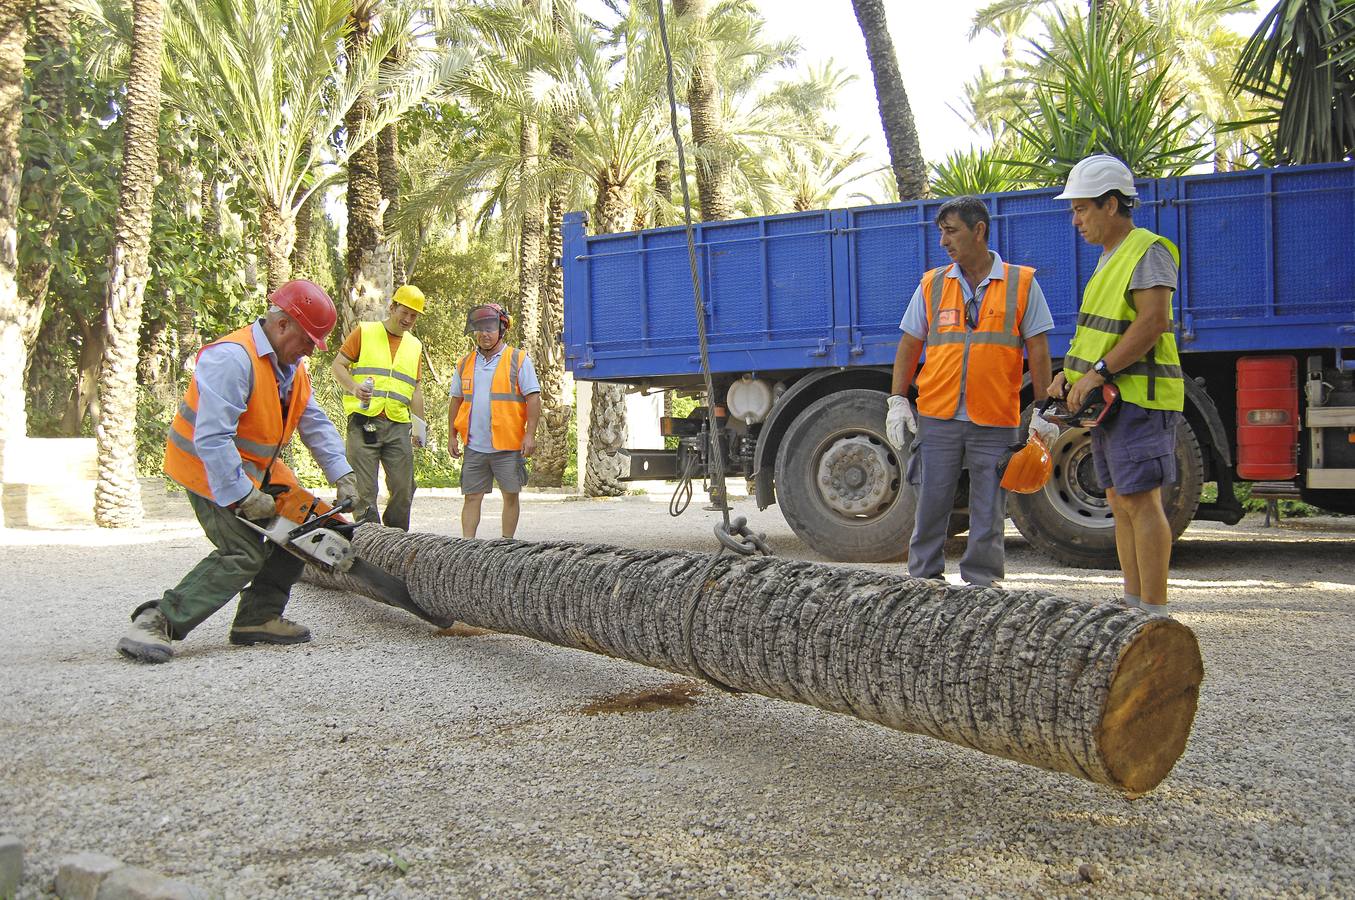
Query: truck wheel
(1070,519)
(841,485)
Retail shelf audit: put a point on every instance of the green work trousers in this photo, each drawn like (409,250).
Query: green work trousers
(243,563)
(388,445)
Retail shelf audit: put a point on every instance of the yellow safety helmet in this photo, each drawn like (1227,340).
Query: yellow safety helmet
(410,296)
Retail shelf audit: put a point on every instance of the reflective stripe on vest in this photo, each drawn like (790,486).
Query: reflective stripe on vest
(1155,381)
(987,360)
(260,430)
(507,405)
(393,380)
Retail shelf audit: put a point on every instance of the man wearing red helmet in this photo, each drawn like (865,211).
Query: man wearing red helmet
(494,407)
(250,392)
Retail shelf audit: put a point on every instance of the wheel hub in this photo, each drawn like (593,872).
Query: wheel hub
(1073,488)
(856,476)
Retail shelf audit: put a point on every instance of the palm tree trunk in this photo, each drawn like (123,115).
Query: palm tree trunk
(713,167)
(278,227)
(50,43)
(368,282)
(896,114)
(388,166)
(14,314)
(305,220)
(84,395)
(607,412)
(663,191)
(1092,690)
(117,496)
(552,454)
(530,238)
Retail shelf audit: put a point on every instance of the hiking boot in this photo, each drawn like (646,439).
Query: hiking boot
(148,640)
(275,631)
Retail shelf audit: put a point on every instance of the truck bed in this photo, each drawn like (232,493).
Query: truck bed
(1267,263)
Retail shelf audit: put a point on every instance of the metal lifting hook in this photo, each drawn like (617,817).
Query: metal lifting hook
(741,539)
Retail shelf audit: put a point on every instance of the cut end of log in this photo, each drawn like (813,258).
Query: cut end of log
(1150,706)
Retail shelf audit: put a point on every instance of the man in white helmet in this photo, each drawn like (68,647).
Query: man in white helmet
(1124,335)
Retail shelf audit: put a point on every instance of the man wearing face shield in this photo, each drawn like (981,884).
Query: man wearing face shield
(494,406)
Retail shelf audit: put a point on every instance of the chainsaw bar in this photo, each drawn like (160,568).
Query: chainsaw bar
(392,590)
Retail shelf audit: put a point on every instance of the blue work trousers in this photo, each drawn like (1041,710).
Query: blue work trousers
(941,448)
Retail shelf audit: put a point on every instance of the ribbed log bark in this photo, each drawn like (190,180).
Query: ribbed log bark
(1093,690)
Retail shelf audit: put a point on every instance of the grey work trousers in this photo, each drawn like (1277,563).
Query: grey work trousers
(390,447)
(940,449)
(243,563)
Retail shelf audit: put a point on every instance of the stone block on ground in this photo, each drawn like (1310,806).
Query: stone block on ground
(79,875)
(135,883)
(11,864)
(47,482)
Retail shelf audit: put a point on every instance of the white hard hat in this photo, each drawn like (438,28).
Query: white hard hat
(1096,175)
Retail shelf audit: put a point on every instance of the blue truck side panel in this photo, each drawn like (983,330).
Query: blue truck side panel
(1267,263)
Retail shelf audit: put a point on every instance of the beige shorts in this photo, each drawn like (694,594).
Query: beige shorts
(479,471)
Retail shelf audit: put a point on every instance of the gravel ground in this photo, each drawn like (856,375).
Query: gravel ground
(385,760)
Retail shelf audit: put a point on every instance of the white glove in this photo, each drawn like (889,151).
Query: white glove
(1048,431)
(346,488)
(257,506)
(898,420)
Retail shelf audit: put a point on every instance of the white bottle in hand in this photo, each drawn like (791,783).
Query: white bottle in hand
(369,382)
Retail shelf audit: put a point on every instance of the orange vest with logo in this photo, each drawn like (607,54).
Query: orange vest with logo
(262,428)
(507,405)
(987,359)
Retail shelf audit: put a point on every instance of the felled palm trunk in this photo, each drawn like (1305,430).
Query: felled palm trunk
(1094,690)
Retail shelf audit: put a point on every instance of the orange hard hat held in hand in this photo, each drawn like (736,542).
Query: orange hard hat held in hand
(1027,467)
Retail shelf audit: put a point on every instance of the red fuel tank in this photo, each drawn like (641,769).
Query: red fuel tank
(1267,418)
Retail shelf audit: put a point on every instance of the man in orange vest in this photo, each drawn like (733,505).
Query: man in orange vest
(974,317)
(251,391)
(495,404)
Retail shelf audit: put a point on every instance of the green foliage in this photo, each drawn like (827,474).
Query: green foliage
(454,280)
(976,171)
(1300,65)
(152,425)
(1105,92)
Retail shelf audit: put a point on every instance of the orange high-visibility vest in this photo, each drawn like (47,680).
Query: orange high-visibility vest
(988,359)
(261,428)
(507,405)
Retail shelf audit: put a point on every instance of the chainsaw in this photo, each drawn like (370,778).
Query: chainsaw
(325,540)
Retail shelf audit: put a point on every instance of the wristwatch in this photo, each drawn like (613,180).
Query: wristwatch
(1100,368)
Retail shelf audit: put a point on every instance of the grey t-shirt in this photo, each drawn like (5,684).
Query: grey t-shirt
(1155,269)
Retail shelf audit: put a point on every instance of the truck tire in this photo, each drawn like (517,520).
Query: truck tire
(1070,519)
(840,483)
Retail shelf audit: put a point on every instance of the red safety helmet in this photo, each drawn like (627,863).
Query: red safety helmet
(485,311)
(308,304)
(1027,467)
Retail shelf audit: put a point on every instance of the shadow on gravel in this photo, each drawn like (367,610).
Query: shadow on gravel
(1319,559)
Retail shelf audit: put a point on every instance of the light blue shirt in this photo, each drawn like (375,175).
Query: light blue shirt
(480,437)
(1036,321)
(225,376)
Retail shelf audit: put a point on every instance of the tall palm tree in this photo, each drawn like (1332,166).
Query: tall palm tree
(1300,63)
(266,79)
(117,496)
(50,46)
(368,272)
(14,311)
(713,184)
(896,114)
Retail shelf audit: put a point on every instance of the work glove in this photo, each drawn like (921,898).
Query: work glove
(898,420)
(347,489)
(1041,426)
(257,506)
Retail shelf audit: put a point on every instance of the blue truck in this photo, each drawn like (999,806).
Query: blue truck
(802,317)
